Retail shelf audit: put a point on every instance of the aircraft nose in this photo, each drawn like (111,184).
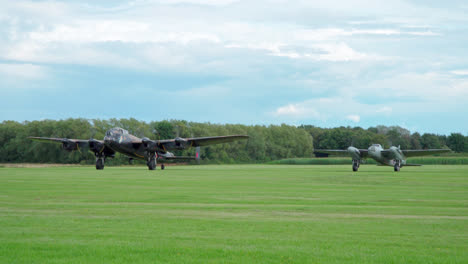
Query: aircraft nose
(108,139)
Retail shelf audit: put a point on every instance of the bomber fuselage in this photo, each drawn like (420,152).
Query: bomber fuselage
(375,152)
(120,140)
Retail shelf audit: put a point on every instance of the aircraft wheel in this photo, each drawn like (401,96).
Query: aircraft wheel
(152,164)
(100,164)
(396,168)
(355,165)
(163,167)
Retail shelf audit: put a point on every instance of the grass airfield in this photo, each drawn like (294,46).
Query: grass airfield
(234,214)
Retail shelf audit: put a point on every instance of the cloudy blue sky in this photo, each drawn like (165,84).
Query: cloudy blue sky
(325,63)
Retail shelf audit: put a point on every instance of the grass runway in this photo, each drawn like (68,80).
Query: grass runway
(234,214)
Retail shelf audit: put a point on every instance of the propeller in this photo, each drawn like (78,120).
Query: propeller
(156,133)
(150,145)
(177,130)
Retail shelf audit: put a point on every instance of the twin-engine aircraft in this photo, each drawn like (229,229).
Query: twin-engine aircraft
(393,156)
(119,140)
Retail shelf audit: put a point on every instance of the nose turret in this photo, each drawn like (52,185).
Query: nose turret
(108,139)
(111,136)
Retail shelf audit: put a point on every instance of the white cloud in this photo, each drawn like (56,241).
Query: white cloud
(384,110)
(354,118)
(338,52)
(323,34)
(317,52)
(117,30)
(460,72)
(418,94)
(297,111)
(460,89)
(423,33)
(199,92)
(197,2)
(24,71)
(428,87)
(329,107)
(177,30)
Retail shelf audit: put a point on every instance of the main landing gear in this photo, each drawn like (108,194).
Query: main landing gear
(163,167)
(100,160)
(355,165)
(151,161)
(397,165)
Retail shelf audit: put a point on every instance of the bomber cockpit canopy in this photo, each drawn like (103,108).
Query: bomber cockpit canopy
(116,130)
(122,131)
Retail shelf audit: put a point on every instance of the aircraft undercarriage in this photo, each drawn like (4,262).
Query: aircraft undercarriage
(356,164)
(100,160)
(151,160)
(397,165)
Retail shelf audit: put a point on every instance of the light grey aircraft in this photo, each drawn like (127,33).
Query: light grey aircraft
(393,156)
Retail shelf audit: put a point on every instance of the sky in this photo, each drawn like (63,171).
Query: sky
(324,63)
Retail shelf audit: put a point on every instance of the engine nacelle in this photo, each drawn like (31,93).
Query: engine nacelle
(96,146)
(69,145)
(150,145)
(180,143)
(397,153)
(354,153)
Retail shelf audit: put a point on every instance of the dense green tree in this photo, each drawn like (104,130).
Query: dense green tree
(163,129)
(415,141)
(456,142)
(430,141)
(466,145)
(398,137)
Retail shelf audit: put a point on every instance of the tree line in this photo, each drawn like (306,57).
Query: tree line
(343,137)
(266,143)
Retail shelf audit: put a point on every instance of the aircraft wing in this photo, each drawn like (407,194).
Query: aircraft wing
(77,144)
(204,141)
(424,152)
(338,153)
(183,143)
(56,140)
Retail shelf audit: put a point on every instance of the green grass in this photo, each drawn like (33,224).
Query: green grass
(234,214)
(442,160)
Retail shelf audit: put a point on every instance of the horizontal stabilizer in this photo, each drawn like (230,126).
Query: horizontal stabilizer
(181,158)
(333,152)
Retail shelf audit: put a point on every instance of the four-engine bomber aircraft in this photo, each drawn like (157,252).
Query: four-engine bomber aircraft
(119,140)
(393,156)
